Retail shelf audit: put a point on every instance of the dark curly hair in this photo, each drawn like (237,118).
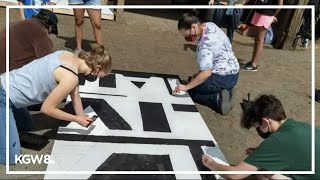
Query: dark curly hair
(265,106)
(186,20)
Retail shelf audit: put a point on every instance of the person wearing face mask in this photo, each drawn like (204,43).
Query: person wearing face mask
(29,40)
(49,80)
(213,85)
(287,144)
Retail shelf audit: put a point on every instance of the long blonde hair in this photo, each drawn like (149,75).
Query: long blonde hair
(97,56)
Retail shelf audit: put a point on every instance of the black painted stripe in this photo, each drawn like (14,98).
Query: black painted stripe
(132,140)
(184,107)
(144,74)
(197,153)
(153,117)
(108,81)
(168,85)
(107,114)
(194,145)
(104,94)
(135,162)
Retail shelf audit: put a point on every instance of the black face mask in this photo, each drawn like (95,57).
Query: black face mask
(264,135)
(90,77)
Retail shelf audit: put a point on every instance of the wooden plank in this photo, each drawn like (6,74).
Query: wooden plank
(120,12)
(4,4)
(294,25)
(280,29)
(65,11)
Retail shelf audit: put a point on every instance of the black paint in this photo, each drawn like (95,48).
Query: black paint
(154,118)
(168,85)
(144,74)
(107,114)
(184,107)
(108,81)
(32,141)
(103,94)
(135,162)
(132,140)
(194,145)
(36,107)
(148,75)
(197,153)
(138,84)
(82,81)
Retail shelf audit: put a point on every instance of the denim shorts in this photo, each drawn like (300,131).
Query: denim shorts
(84,2)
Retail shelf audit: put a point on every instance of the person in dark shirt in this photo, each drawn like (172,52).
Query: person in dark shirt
(29,40)
(287,144)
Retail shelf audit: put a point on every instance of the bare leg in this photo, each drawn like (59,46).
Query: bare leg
(95,18)
(79,20)
(258,45)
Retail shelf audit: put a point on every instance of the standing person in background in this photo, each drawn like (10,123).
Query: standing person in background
(95,18)
(28,13)
(228,17)
(213,85)
(262,20)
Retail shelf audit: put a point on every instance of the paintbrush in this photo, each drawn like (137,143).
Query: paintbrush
(93,119)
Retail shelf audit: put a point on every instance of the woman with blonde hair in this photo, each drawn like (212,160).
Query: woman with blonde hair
(48,80)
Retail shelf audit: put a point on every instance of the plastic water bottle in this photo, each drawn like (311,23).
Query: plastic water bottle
(305,43)
(269,36)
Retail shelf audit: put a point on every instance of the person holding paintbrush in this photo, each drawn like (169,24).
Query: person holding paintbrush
(213,85)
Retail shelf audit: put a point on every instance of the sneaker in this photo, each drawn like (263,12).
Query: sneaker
(77,52)
(224,102)
(249,67)
(232,95)
(317,95)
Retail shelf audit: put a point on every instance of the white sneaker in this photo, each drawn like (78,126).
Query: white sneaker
(77,52)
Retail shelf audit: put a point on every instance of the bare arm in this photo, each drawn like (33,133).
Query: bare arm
(21,11)
(199,79)
(240,167)
(214,166)
(245,1)
(49,107)
(280,3)
(76,102)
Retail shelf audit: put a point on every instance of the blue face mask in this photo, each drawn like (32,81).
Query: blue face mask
(90,77)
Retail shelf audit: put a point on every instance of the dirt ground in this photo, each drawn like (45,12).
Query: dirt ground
(148,41)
